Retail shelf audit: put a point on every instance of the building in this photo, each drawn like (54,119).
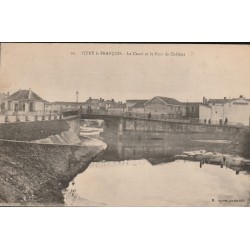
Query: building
(24,101)
(57,107)
(205,113)
(198,112)
(235,111)
(95,104)
(118,108)
(193,110)
(108,104)
(165,106)
(131,103)
(139,107)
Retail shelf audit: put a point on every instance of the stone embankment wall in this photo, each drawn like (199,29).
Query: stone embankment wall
(131,128)
(54,131)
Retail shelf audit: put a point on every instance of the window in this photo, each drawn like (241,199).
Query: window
(22,106)
(32,106)
(16,106)
(9,105)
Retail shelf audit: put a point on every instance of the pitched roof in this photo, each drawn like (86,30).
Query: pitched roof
(191,103)
(109,102)
(206,105)
(68,103)
(168,100)
(138,105)
(220,101)
(137,101)
(24,95)
(119,105)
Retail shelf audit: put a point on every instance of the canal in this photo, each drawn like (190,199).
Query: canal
(163,173)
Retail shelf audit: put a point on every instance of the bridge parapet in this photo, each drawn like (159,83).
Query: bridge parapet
(156,117)
(33,116)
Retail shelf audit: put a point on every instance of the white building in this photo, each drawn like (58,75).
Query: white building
(236,110)
(24,101)
(205,112)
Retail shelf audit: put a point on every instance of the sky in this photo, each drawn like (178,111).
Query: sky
(55,71)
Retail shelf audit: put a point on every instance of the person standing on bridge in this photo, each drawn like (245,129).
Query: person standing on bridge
(226,120)
(149,115)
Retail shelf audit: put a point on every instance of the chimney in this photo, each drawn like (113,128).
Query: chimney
(29,93)
(241,96)
(204,100)
(225,98)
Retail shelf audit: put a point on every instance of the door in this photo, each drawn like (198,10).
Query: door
(31,106)
(16,107)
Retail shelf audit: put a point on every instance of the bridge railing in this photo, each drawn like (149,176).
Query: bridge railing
(135,115)
(28,118)
(221,123)
(158,117)
(36,116)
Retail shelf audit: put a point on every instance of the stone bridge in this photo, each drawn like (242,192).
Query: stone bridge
(140,126)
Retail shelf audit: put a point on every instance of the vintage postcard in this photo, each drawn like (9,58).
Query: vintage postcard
(105,124)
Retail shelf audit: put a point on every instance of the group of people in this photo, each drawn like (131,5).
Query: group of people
(209,121)
(89,110)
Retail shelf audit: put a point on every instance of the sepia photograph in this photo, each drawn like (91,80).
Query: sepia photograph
(124,125)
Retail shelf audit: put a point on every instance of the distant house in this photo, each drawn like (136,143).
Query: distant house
(131,103)
(3,98)
(95,104)
(165,106)
(25,101)
(64,106)
(139,106)
(205,113)
(118,108)
(198,111)
(107,104)
(235,111)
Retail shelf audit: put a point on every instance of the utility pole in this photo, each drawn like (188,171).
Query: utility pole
(77,94)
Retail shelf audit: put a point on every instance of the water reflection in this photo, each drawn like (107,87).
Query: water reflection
(164,173)
(223,153)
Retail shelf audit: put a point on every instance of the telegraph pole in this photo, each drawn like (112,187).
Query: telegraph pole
(77,94)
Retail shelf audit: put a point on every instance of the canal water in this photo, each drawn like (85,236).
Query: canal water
(163,173)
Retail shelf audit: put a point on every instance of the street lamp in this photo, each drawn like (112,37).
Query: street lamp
(77,94)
